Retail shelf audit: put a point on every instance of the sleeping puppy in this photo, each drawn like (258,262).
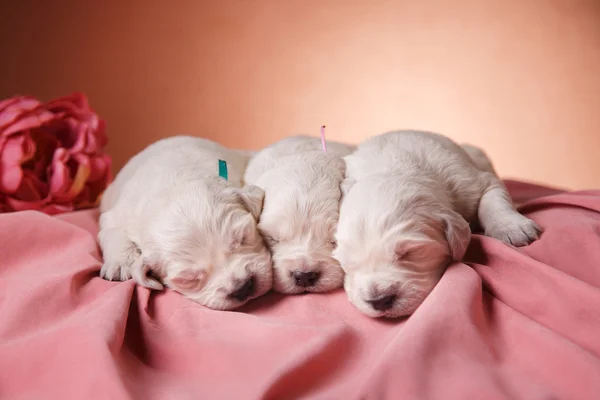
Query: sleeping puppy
(169,219)
(300,212)
(408,199)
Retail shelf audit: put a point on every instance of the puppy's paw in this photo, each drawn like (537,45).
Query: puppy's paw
(515,229)
(114,271)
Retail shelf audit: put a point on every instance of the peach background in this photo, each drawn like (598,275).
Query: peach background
(520,78)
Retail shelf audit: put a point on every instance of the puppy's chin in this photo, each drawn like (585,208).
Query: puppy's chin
(219,296)
(234,284)
(330,276)
(376,295)
(402,307)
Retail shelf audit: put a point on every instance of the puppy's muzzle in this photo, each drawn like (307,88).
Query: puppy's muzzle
(382,303)
(246,290)
(306,279)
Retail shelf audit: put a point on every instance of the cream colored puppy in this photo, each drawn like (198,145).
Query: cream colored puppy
(300,212)
(409,198)
(169,219)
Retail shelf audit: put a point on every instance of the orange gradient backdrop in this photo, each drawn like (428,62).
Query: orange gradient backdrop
(519,78)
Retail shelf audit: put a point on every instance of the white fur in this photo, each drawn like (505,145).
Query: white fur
(409,196)
(168,218)
(301,207)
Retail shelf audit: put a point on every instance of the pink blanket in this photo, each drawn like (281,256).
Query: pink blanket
(507,324)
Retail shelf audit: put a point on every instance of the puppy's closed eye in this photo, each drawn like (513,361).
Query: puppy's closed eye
(242,236)
(238,242)
(270,240)
(330,232)
(410,251)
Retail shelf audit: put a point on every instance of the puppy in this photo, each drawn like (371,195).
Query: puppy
(408,199)
(168,218)
(300,212)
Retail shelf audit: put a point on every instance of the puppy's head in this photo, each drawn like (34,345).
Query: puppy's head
(206,246)
(394,250)
(298,222)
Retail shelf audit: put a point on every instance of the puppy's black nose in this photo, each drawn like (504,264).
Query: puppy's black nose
(245,291)
(383,304)
(306,279)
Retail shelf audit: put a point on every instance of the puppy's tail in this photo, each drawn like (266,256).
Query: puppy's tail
(479,158)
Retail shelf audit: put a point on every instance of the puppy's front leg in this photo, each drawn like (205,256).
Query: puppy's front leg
(499,218)
(118,251)
(119,254)
(123,260)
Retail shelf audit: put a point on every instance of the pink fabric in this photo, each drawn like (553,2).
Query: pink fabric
(507,324)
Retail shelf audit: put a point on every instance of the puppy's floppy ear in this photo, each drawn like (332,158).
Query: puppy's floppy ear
(346,185)
(142,275)
(252,197)
(340,164)
(458,233)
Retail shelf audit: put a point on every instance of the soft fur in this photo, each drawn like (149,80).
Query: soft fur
(300,213)
(409,198)
(168,218)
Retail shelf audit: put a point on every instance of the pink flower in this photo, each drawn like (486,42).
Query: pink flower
(51,156)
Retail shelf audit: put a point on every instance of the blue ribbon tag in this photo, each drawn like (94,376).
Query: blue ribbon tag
(223,169)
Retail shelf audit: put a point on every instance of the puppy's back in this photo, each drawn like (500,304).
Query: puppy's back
(409,150)
(479,158)
(425,161)
(272,155)
(174,159)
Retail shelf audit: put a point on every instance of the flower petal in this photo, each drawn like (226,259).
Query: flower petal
(9,102)
(54,209)
(10,179)
(20,205)
(64,185)
(26,120)
(60,176)
(75,103)
(4,207)
(79,181)
(31,188)
(99,166)
(97,138)
(46,144)
(11,109)
(78,132)
(16,150)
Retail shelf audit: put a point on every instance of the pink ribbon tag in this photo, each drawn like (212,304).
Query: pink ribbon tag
(323,143)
